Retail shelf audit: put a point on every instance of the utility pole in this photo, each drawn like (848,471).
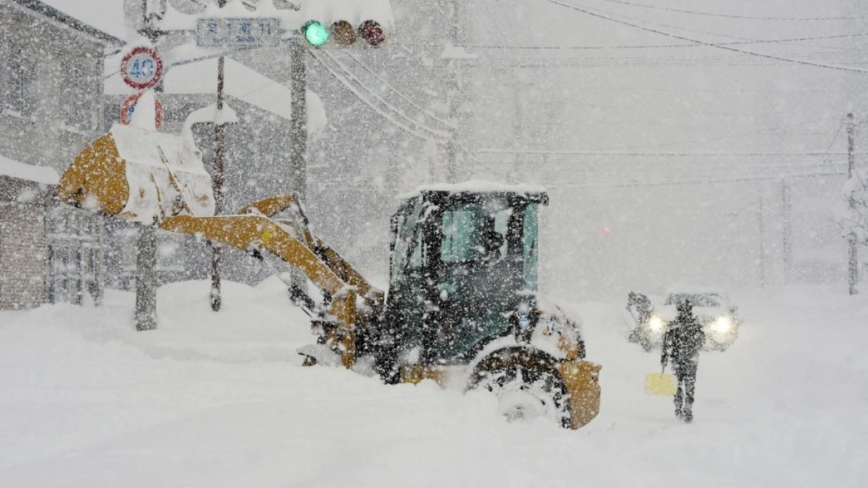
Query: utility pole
(298,136)
(217,180)
(762,238)
(787,209)
(852,243)
(146,243)
(298,122)
(518,127)
(454,95)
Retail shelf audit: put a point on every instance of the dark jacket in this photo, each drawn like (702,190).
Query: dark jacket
(683,340)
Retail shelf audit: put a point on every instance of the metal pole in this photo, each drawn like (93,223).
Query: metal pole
(146,290)
(852,243)
(217,182)
(298,122)
(518,128)
(762,238)
(454,87)
(787,205)
(146,244)
(298,135)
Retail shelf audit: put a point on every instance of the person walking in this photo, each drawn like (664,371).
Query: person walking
(681,345)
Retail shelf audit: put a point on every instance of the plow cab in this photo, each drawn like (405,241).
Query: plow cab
(463,307)
(462,262)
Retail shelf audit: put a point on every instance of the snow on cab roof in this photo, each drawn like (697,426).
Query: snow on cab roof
(474,186)
(292,18)
(28,172)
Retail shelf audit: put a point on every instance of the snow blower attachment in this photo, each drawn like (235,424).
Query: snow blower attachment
(462,307)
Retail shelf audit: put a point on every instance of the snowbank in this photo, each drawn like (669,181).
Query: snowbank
(220,400)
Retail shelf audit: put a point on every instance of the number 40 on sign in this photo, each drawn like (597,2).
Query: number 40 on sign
(142,68)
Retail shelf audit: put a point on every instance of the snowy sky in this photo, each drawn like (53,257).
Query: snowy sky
(617,121)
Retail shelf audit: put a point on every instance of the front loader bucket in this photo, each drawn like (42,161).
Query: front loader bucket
(139,175)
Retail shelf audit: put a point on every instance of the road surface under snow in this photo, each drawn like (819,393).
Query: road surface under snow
(220,400)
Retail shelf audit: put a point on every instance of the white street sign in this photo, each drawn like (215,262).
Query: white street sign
(238,32)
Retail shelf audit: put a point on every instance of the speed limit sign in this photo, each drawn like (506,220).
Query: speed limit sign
(142,68)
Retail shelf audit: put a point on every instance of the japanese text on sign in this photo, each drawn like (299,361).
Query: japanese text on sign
(238,32)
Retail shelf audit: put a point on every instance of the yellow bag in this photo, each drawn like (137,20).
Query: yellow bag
(660,384)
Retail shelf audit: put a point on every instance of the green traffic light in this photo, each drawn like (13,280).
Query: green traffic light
(315,33)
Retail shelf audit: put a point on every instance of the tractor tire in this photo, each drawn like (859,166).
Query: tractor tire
(526,384)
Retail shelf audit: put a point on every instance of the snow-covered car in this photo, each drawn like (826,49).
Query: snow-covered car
(648,321)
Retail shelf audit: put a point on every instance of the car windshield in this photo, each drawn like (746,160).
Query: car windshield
(697,299)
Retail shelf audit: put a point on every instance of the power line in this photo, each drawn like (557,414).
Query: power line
(729,16)
(655,46)
(705,43)
(435,133)
(354,91)
(403,97)
(349,86)
(835,138)
(569,185)
(660,154)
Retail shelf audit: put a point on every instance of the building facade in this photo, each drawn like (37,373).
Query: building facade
(51,88)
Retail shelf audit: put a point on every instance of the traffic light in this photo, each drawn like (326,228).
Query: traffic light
(342,33)
(315,33)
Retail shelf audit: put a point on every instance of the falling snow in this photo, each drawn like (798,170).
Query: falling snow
(502,174)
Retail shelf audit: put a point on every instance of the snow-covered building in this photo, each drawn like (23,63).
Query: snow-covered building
(51,56)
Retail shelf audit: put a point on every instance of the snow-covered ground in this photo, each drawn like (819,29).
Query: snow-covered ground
(220,400)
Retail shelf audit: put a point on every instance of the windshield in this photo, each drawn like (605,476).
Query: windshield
(474,232)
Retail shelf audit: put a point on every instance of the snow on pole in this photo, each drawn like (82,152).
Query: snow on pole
(145,114)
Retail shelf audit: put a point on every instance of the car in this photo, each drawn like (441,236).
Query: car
(648,321)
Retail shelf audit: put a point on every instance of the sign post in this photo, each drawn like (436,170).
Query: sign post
(141,69)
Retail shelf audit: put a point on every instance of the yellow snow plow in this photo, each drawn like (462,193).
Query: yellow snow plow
(462,307)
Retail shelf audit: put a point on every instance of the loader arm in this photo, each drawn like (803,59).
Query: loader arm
(351,310)
(271,206)
(155,178)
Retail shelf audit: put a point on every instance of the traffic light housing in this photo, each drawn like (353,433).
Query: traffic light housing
(342,33)
(315,33)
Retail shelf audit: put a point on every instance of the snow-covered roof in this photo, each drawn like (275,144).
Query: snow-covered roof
(326,11)
(474,187)
(29,172)
(104,15)
(240,82)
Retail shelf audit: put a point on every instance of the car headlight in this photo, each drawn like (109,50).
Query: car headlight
(722,325)
(656,324)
